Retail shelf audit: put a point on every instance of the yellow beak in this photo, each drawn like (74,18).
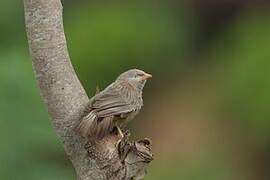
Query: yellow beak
(146,76)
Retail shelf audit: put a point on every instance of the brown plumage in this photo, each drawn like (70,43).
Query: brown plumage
(115,105)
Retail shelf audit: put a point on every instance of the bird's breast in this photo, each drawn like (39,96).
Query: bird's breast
(123,121)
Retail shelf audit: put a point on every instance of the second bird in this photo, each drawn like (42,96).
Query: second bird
(115,105)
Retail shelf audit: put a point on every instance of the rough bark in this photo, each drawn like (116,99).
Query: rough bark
(66,99)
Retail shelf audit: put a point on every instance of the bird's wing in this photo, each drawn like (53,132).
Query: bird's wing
(111,102)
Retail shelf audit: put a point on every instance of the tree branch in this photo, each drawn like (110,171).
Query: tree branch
(66,99)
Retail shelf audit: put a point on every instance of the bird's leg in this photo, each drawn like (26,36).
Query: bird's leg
(120,132)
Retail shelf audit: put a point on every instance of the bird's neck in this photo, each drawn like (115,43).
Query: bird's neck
(127,85)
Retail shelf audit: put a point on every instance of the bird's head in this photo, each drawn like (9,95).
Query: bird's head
(135,77)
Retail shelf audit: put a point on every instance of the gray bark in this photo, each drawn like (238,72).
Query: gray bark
(66,99)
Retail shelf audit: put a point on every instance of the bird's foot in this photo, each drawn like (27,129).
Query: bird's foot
(124,138)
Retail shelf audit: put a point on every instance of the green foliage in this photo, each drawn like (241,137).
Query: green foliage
(105,38)
(12,24)
(244,51)
(29,148)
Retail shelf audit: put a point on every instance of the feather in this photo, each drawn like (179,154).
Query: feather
(87,124)
(118,100)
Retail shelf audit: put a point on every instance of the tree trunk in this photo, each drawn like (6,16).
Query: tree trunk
(66,99)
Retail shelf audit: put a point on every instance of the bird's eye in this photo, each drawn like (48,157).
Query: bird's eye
(139,74)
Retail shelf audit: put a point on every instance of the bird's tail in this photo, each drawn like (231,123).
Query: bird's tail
(92,127)
(87,125)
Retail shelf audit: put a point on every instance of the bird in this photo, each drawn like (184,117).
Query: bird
(113,107)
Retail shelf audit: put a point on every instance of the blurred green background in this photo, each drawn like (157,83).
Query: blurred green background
(206,109)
